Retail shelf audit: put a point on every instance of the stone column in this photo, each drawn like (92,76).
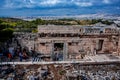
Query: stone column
(97,44)
(52,50)
(65,51)
(118,47)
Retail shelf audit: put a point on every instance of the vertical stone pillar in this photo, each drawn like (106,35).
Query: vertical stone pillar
(95,52)
(36,46)
(92,51)
(52,50)
(118,47)
(97,44)
(65,51)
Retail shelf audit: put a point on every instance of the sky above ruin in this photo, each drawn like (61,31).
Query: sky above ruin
(58,7)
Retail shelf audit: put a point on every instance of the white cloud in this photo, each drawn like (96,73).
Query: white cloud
(118,8)
(8,4)
(49,2)
(84,4)
(52,3)
(17,4)
(106,1)
(32,1)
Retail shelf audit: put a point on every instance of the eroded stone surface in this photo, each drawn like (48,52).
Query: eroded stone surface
(77,41)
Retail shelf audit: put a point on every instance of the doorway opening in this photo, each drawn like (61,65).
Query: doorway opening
(58,51)
(100,45)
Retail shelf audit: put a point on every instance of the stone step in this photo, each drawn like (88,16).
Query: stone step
(36,59)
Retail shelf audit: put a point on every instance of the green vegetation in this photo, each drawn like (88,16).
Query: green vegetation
(5,34)
(6,30)
(70,21)
(62,72)
(34,31)
(9,25)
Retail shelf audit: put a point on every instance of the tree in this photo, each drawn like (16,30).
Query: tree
(34,31)
(6,34)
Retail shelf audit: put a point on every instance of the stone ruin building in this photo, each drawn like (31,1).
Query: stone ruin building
(74,41)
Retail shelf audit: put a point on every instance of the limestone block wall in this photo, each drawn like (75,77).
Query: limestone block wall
(108,46)
(85,44)
(44,48)
(73,51)
(30,44)
(73,48)
(118,49)
(91,44)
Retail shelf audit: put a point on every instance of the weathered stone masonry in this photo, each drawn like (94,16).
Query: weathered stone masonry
(77,40)
(73,41)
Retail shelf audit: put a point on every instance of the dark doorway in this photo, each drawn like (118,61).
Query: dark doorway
(58,51)
(58,46)
(100,45)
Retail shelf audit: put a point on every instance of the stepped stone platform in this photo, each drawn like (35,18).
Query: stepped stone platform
(97,59)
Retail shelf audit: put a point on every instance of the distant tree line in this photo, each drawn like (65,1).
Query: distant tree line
(71,21)
(9,25)
(6,30)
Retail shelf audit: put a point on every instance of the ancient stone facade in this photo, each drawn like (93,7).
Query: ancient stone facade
(71,42)
(64,42)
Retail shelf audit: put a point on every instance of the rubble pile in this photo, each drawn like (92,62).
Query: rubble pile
(60,72)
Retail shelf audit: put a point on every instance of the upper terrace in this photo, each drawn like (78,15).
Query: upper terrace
(48,30)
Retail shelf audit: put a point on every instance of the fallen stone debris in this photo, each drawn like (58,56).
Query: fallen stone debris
(60,72)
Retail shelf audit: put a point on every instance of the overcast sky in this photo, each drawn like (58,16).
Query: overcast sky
(58,7)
